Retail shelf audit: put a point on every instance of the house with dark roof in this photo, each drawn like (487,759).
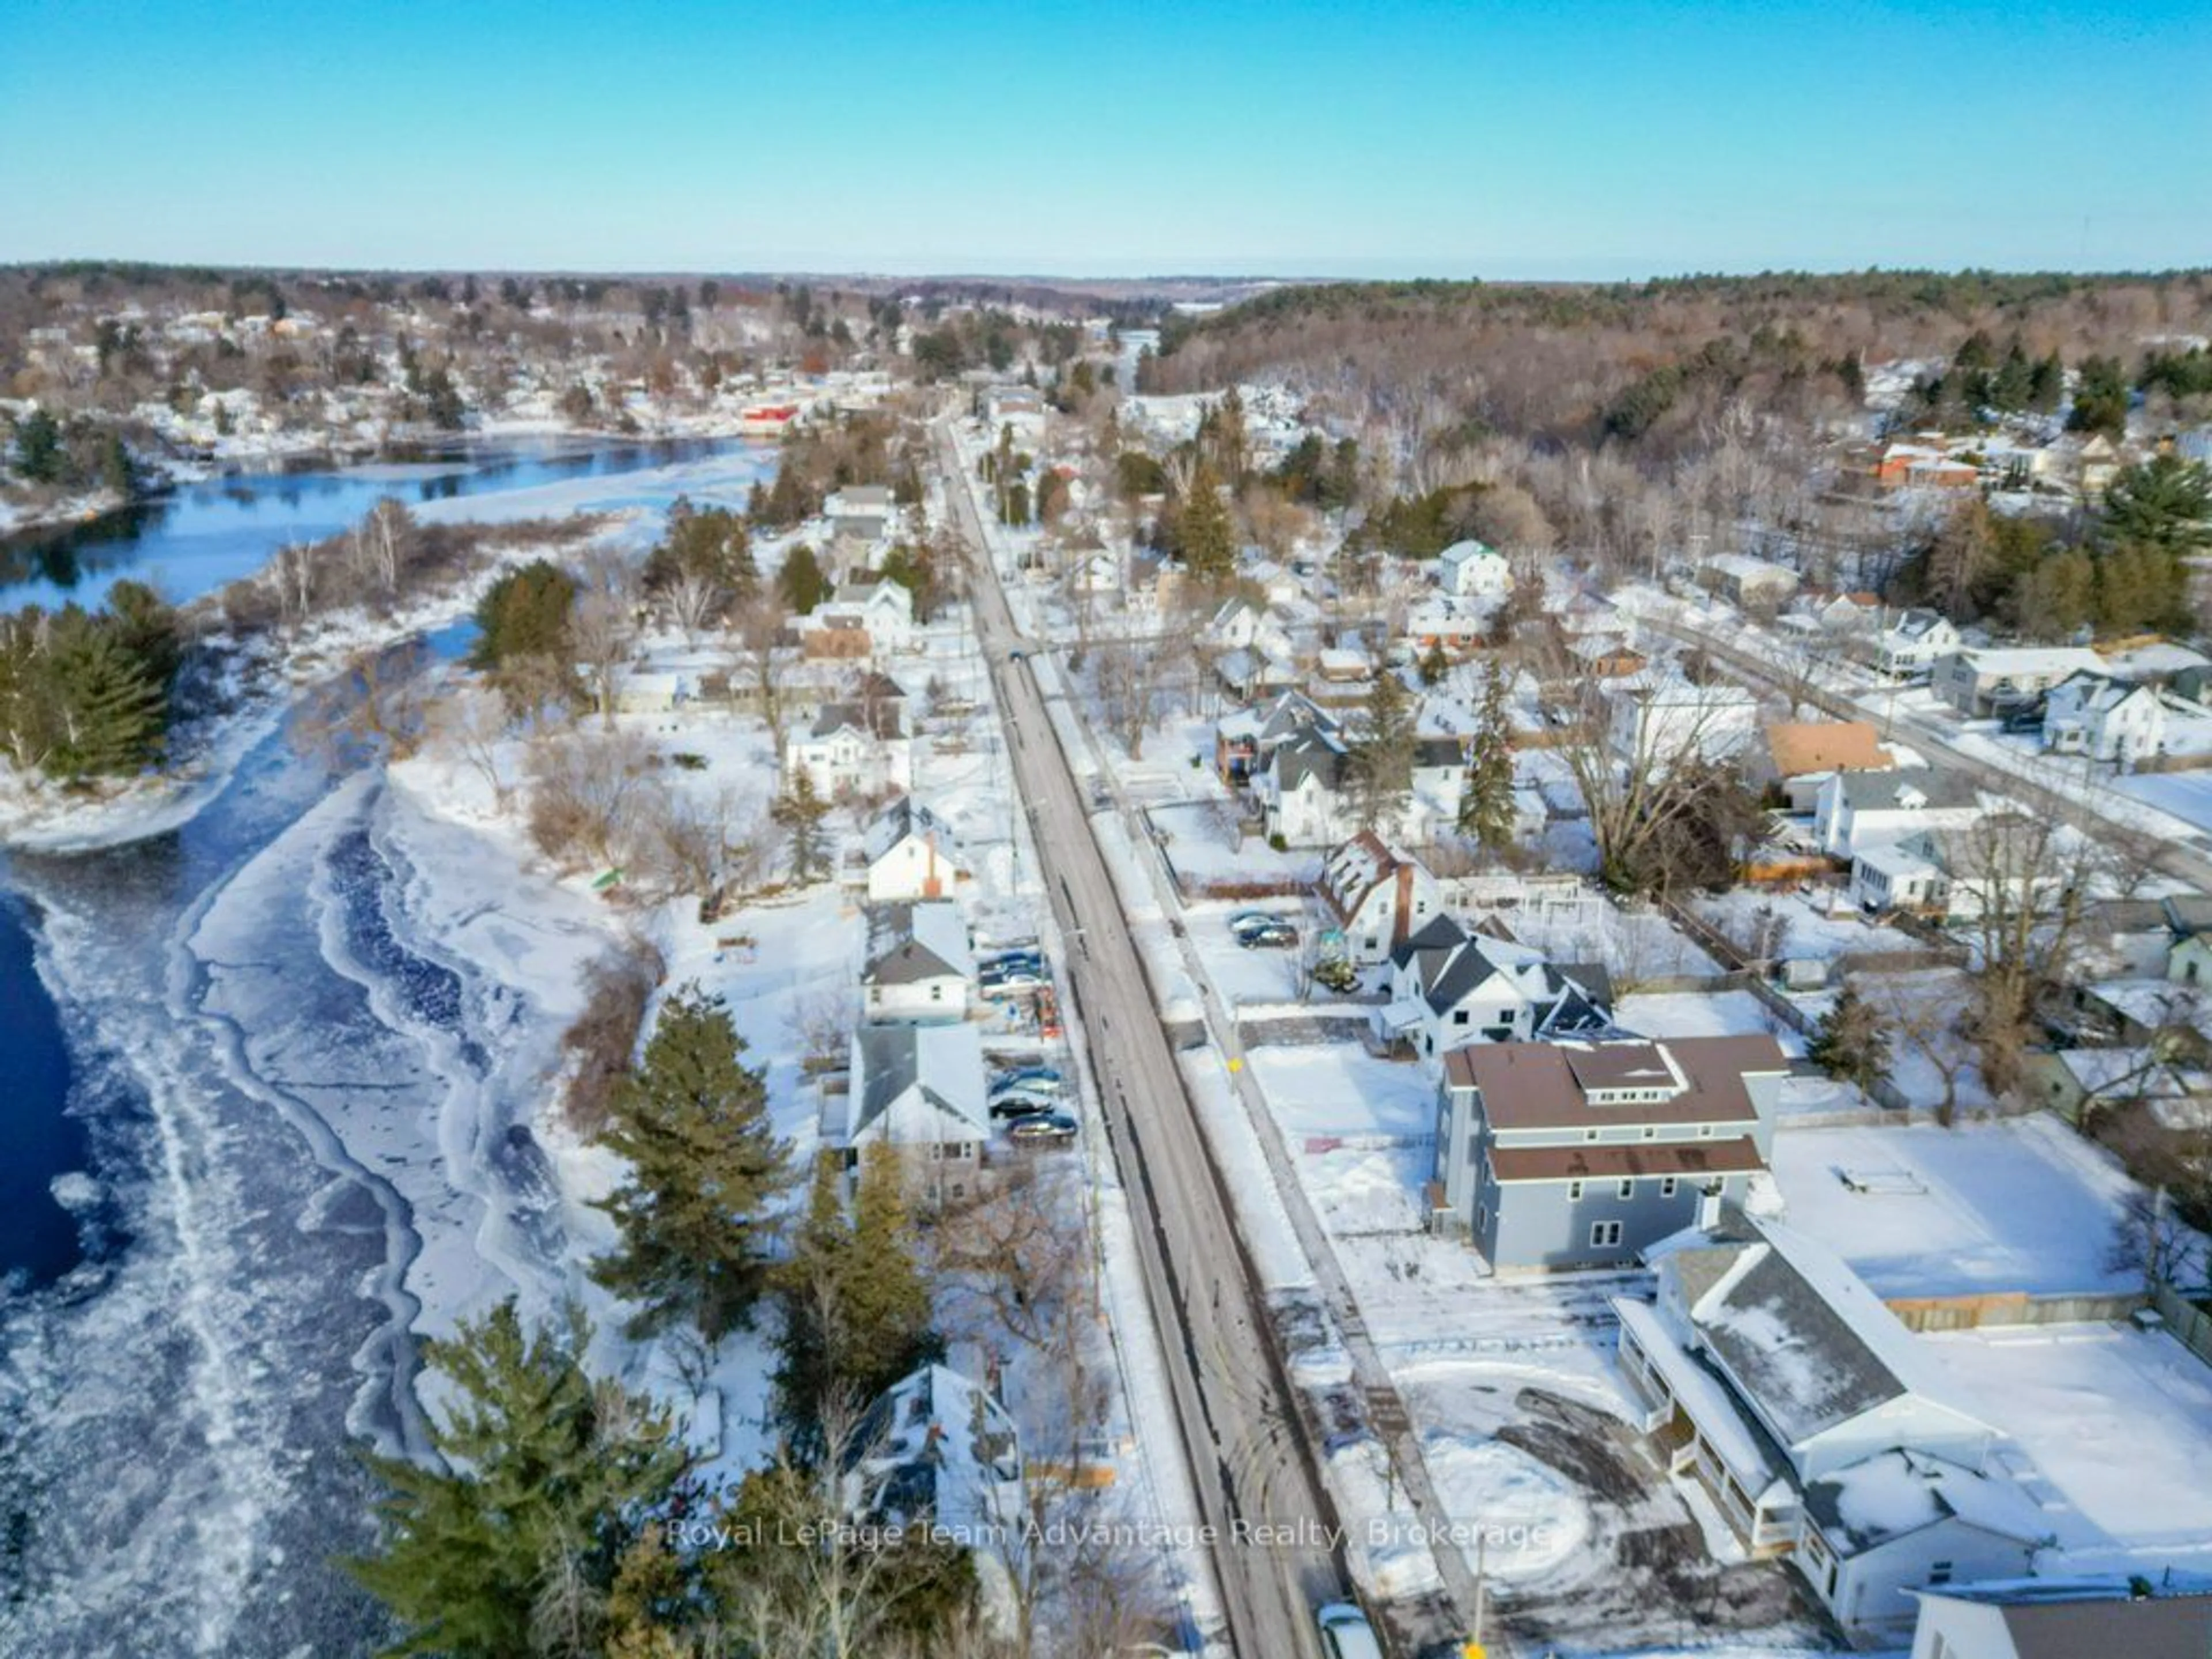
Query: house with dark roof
(920,965)
(1774,1377)
(919,1087)
(1914,642)
(1449,986)
(1584,1154)
(2065,1618)
(1303,787)
(1857,809)
(859,747)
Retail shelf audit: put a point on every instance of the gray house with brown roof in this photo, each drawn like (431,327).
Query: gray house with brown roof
(1580,1154)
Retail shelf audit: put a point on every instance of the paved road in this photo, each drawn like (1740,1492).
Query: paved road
(1250,1464)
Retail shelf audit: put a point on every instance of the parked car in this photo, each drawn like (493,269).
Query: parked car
(1280,935)
(1250,918)
(1017,1075)
(1021,1102)
(1345,1633)
(1021,958)
(1010,979)
(1042,1126)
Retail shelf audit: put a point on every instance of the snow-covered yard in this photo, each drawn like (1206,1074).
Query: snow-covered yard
(1795,925)
(1706,1013)
(1917,1210)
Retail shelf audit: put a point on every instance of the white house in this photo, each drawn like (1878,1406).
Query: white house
(1914,642)
(1773,1377)
(1469,570)
(920,963)
(883,608)
(1378,897)
(1660,720)
(852,747)
(1449,988)
(1857,810)
(911,854)
(2105,719)
(1301,786)
(1964,873)
(919,1088)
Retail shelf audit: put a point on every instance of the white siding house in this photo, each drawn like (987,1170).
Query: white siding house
(920,965)
(1777,1381)
(1469,570)
(910,854)
(2105,719)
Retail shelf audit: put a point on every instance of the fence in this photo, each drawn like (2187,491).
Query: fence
(1968,1313)
(2190,1324)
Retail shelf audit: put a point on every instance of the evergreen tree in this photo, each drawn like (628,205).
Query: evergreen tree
(39,455)
(1487,803)
(2101,398)
(708,543)
(856,1310)
(1381,759)
(1203,534)
(2164,503)
(706,1167)
(549,1479)
(112,711)
(800,810)
(1852,1044)
(1434,666)
(524,614)
(914,568)
(801,582)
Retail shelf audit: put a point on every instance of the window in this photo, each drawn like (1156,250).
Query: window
(1604,1235)
(1704,1132)
(1667,1187)
(1589,1134)
(1461,1017)
(1650,1133)
(937,993)
(1574,1192)
(1628,1188)
(1938,1572)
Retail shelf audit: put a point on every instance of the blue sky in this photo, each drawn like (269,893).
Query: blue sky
(1573,139)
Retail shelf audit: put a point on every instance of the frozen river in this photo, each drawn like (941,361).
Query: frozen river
(304,1043)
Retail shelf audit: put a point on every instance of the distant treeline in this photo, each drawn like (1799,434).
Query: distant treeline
(1649,364)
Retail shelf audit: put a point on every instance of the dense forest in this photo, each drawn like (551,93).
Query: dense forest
(1652,364)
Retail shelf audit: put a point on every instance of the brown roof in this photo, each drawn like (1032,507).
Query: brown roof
(1801,746)
(1693,1159)
(1531,1086)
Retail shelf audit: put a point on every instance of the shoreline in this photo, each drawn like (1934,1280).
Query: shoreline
(273,456)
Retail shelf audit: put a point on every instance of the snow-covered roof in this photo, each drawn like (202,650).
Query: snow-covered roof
(1895,1493)
(917,1084)
(905,817)
(1805,1342)
(916,941)
(2037,661)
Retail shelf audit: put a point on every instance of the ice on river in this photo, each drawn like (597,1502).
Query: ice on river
(339,1054)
